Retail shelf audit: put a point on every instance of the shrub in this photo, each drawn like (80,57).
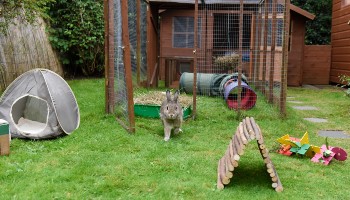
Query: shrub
(346,83)
(77,32)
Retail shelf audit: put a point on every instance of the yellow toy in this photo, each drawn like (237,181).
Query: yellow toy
(301,146)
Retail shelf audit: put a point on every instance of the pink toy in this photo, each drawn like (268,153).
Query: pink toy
(340,154)
(324,157)
(327,155)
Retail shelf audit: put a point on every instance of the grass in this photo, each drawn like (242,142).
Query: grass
(101,160)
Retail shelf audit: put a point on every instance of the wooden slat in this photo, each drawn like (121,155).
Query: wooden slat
(341,50)
(341,35)
(342,20)
(339,12)
(340,43)
(341,58)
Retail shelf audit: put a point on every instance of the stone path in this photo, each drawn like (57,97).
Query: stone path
(296,102)
(305,107)
(316,120)
(323,133)
(333,134)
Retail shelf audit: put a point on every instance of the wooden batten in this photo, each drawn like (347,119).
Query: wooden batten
(127,64)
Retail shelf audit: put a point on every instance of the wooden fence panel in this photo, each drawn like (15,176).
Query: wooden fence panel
(317,62)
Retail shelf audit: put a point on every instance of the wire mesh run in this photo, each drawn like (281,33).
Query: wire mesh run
(231,49)
(120,88)
(241,49)
(136,40)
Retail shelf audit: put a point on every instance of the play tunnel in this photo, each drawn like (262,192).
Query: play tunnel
(225,85)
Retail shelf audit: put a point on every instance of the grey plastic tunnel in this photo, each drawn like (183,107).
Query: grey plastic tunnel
(225,85)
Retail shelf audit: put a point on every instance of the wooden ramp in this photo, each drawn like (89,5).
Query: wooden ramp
(247,131)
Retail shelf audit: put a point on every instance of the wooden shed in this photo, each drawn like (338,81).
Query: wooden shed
(298,18)
(184,56)
(340,64)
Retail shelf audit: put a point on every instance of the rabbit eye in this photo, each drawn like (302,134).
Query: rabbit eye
(167,108)
(176,108)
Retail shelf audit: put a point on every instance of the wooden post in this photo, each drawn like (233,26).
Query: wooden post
(240,41)
(127,65)
(4,138)
(283,94)
(109,56)
(106,48)
(194,110)
(272,58)
(257,60)
(138,41)
(266,30)
(252,44)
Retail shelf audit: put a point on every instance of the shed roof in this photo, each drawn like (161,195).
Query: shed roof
(302,12)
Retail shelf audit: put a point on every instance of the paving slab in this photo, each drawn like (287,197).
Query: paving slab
(333,134)
(305,108)
(316,120)
(296,102)
(311,87)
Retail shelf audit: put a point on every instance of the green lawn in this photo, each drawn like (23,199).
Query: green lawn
(101,160)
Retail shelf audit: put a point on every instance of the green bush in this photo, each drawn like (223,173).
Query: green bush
(77,32)
(318,31)
(346,83)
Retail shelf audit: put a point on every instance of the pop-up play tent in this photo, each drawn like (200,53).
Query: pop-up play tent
(39,104)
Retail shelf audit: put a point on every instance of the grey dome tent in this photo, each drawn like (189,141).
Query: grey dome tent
(39,104)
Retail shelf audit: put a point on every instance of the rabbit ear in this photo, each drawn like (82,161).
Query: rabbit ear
(168,95)
(176,95)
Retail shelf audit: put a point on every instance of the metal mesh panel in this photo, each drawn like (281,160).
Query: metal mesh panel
(143,45)
(120,90)
(137,25)
(245,42)
(133,35)
(138,31)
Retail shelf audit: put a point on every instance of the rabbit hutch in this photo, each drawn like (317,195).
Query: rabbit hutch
(199,46)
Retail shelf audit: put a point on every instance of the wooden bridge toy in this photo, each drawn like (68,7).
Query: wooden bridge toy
(247,131)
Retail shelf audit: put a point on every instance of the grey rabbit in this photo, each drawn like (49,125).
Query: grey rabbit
(171,114)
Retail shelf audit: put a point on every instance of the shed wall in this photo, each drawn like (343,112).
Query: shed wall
(166,40)
(340,56)
(296,50)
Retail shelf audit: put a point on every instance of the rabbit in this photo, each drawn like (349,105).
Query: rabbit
(171,114)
